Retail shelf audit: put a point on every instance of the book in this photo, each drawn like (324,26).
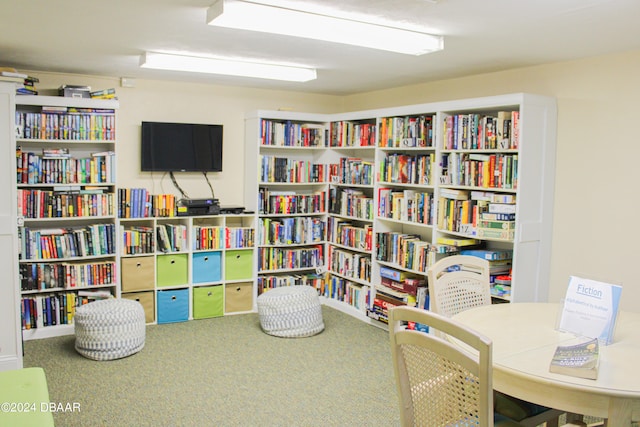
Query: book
(9,78)
(579,360)
(489,254)
(502,208)
(104,93)
(457,241)
(14,74)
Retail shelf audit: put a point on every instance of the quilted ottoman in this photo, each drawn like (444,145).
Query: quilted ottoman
(290,311)
(109,329)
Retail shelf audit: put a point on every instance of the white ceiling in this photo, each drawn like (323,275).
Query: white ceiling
(106,38)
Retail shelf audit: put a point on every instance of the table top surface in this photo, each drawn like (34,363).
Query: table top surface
(524,339)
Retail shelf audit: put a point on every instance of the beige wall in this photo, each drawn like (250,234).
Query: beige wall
(597,158)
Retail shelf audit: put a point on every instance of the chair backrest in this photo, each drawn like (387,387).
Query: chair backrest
(468,286)
(440,383)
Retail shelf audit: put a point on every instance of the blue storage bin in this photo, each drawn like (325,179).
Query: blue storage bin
(207,267)
(173,305)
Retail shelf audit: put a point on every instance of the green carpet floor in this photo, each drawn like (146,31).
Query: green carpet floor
(227,372)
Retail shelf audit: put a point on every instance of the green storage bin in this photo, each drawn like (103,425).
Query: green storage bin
(172,270)
(208,301)
(238,264)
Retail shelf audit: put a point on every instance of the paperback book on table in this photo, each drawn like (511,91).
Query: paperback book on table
(579,360)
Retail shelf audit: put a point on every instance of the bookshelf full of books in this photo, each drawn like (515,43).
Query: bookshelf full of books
(408,185)
(287,171)
(66,206)
(351,213)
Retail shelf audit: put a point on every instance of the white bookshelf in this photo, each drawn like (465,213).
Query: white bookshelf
(531,243)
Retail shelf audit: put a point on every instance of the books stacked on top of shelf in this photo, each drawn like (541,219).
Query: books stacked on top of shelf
(104,94)
(28,86)
(579,360)
(26,83)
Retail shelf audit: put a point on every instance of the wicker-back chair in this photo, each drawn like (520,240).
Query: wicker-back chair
(458,283)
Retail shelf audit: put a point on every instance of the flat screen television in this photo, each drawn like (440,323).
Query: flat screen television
(181,147)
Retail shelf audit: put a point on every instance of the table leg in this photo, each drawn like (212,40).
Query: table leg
(620,411)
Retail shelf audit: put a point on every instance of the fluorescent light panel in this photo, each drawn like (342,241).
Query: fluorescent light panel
(196,64)
(246,15)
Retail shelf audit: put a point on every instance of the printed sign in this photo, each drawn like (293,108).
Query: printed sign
(590,309)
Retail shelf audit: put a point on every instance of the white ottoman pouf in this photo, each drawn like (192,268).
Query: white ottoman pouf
(109,329)
(290,311)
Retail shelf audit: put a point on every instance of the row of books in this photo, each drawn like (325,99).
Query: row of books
(406,205)
(290,202)
(405,250)
(137,240)
(352,171)
(239,237)
(61,168)
(351,202)
(347,291)
(55,309)
(408,169)
(267,282)
(478,131)
(408,131)
(68,203)
(290,230)
(140,203)
(66,123)
(208,237)
(348,264)
(43,276)
(290,134)
(352,134)
(346,233)
(284,169)
(65,243)
(276,258)
(480,170)
(171,238)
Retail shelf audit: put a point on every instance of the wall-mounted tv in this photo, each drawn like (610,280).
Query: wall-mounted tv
(181,147)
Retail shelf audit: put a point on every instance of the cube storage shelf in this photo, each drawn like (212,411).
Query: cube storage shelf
(192,281)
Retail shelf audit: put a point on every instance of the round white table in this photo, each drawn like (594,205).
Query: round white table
(524,339)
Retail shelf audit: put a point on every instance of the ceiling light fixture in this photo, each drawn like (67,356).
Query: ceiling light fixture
(251,16)
(197,64)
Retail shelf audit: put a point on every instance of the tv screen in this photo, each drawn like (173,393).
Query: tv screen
(181,147)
